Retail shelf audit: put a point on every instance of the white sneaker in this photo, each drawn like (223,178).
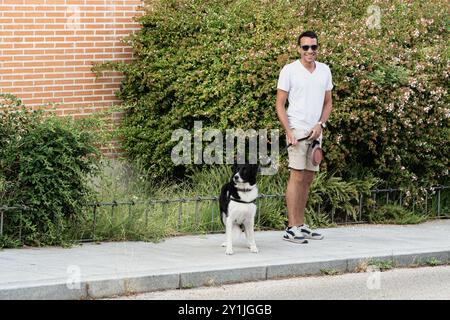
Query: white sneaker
(310,234)
(293,234)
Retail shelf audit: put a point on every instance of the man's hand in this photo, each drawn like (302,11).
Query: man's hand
(291,138)
(315,132)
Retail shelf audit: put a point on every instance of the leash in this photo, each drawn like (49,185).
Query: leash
(298,140)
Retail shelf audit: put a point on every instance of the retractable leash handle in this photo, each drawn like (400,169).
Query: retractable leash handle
(298,140)
(315,153)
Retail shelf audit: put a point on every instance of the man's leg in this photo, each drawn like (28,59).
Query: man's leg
(297,195)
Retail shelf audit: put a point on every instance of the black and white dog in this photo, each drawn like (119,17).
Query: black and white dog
(237,205)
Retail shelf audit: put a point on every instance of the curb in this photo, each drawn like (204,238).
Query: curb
(104,288)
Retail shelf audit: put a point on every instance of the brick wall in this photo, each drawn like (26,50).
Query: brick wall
(47,49)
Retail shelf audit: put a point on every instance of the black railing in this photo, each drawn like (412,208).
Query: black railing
(189,215)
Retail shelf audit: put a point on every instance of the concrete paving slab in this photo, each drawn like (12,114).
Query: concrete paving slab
(115,268)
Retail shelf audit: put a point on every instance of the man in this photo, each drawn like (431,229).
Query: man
(306,84)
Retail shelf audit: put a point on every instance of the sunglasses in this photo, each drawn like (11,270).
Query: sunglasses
(313,47)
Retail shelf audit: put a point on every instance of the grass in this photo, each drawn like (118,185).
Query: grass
(330,272)
(433,262)
(151,218)
(144,218)
(396,214)
(381,265)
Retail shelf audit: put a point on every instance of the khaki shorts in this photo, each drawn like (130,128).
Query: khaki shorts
(298,154)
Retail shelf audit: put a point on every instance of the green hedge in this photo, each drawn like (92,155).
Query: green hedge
(218,61)
(45,163)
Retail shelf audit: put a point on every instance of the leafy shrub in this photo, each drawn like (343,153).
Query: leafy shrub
(44,165)
(395,214)
(218,61)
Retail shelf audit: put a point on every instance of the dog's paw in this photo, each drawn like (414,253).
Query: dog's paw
(229,251)
(254,249)
(224,244)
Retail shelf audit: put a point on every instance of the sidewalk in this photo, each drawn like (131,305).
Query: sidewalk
(116,268)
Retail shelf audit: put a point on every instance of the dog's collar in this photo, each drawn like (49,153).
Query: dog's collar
(242,201)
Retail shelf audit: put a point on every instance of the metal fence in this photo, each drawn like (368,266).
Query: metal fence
(201,214)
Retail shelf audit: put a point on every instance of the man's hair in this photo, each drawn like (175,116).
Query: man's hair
(309,34)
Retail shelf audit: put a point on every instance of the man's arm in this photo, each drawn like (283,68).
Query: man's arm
(326,107)
(326,110)
(282,116)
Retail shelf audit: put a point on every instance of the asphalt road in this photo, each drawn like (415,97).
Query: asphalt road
(413,283)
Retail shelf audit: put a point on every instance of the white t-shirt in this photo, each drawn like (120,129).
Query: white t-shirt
(306,92)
